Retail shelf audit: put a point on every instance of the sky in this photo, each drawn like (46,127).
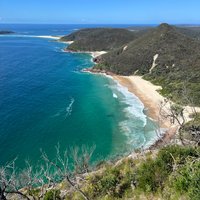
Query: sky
(100,11)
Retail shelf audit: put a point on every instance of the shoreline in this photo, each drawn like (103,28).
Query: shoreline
(48,37)
(146,92)
(65,42)
(151,99)
(94,54)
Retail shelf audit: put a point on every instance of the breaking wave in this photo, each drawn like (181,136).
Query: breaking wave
(140,130)
(115,96)
(33,36)
(69,108)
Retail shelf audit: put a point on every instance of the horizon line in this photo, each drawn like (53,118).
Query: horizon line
(16,23)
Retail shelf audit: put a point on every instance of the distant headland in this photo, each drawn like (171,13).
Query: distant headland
(157,64)
(6,32)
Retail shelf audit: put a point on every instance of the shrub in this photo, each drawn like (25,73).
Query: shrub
(186,180)
(179,153)
(113,182)
(150,175)
(52,195)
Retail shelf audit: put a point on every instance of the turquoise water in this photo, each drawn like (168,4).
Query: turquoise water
(46,99)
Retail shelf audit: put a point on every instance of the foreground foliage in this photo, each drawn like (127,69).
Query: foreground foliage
(170,173)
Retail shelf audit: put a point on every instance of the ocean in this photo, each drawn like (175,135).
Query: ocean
(45,99)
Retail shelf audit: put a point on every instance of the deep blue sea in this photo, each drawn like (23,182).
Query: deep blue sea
(45,99)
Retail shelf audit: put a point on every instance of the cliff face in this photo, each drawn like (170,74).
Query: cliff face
(99,39)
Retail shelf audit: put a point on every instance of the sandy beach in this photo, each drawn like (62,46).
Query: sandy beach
(146,92)
(55,38)
(49,37)
(150,97)
(95,54)
(67,42)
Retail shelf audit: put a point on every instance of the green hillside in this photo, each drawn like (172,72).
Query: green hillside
(132,50)
(171,173)
(99,39)
(193,32)
(177,63)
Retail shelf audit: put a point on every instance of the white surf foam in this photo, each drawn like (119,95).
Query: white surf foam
(156,135)
(34,36)
(47,37)
(69,108)
(136,121)
(134,107)
(115,96)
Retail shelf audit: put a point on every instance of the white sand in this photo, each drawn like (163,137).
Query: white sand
(149,95)
(67,42)
(49,37)
(145,91)
(97,53)
(148,89)
(54,38)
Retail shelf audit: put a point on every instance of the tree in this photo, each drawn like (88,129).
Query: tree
(35,182)
(178,116)
(9,183)
(66,172)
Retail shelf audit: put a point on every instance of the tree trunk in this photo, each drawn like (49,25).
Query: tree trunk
(2,196)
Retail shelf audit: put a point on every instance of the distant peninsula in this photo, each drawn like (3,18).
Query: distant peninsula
(6,32)
(165,55)
(98,39)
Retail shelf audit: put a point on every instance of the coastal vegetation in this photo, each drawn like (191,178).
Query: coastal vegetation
(175,57)
(191,129)
(172,172)
(98,39)
(165,55)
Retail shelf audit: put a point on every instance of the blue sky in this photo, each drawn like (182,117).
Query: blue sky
(100,11)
